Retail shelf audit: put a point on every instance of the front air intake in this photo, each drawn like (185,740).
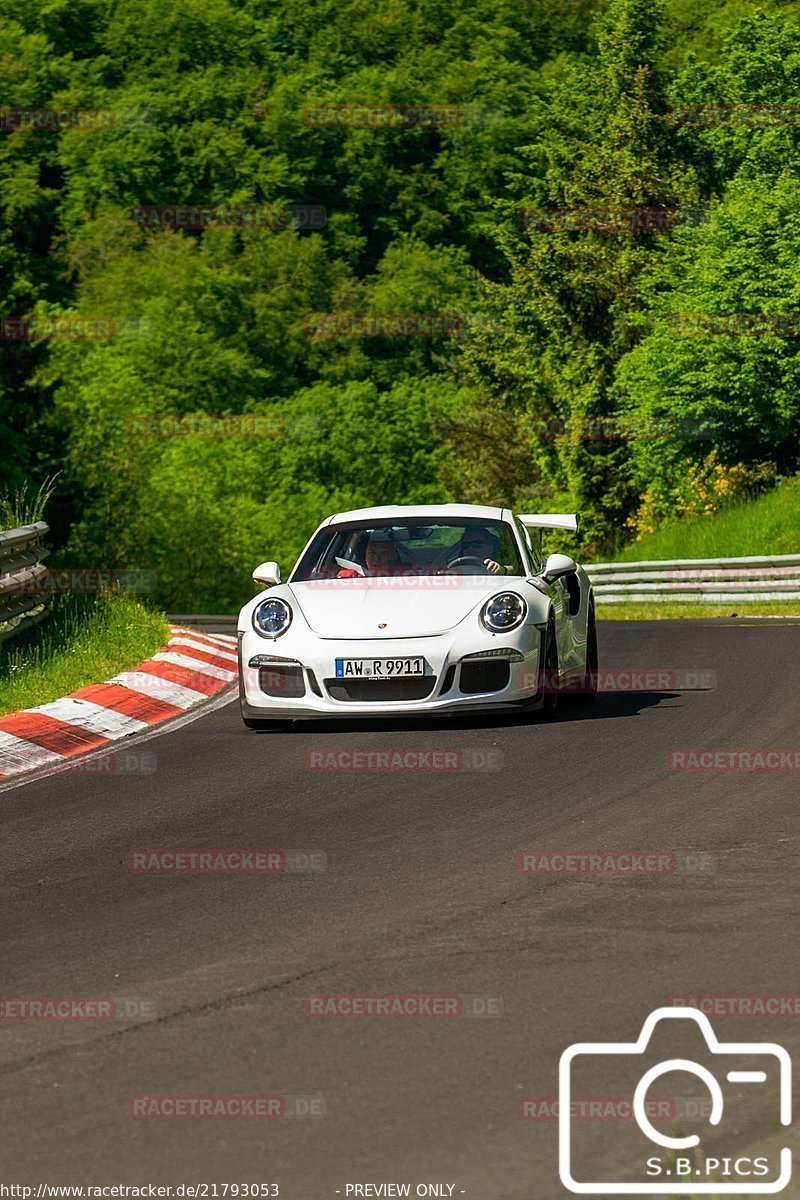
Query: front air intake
(484,675)
(278,680)
(378,691)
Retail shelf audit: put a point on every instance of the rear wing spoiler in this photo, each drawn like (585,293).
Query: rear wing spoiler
(541,521)
(551,521)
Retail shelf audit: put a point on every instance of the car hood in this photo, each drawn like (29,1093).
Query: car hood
(419,607)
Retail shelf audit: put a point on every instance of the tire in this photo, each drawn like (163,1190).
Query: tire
(592,658)
(550,686)
(586,688)
(266,726)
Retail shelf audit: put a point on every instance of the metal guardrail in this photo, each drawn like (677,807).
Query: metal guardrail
(203,619)
(21,554)
(702,580)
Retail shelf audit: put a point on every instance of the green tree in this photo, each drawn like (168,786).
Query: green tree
(564,318)
(721,363)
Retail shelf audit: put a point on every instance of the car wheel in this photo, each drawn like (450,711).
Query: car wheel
(587,681)
(266,726)
(592,658)
(550,682)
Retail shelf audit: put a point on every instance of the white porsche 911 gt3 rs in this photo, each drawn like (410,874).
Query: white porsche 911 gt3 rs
(433,609)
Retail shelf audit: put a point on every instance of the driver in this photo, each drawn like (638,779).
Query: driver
(479,543)
(380,558)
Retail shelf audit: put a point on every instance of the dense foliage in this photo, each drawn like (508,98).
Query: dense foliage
(577,371)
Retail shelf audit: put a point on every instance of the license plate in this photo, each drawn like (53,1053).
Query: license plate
(378,668)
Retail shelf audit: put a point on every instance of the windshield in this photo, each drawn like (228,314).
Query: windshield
(365,549)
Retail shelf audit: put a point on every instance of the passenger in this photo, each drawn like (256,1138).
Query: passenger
(381,558)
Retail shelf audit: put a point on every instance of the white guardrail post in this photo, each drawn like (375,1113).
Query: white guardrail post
(702,580)
(21,554)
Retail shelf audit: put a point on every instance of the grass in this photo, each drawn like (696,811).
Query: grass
(25,507)
(85,640)
(666,611)
(769,524)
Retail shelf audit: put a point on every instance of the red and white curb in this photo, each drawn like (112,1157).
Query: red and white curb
(189,669)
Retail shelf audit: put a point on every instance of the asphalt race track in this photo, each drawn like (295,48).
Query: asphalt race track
(421,893)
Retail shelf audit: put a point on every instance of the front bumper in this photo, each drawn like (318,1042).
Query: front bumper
(312,673)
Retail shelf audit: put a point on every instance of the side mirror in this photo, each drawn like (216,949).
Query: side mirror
(268,573)
(557,566)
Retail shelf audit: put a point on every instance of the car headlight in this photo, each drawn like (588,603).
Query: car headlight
(503,612)
(271,618)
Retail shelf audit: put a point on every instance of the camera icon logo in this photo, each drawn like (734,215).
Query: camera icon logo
(674,1163)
